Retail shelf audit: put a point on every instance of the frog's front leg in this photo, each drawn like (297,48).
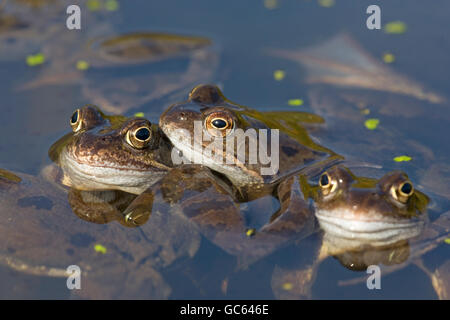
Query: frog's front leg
(294,219)
(100,206)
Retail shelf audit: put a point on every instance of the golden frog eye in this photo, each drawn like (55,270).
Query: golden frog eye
(404,191)
(139,137)
(326,184)
(219,124)
(75,121)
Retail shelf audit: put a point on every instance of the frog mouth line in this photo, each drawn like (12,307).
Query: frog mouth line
(88,177)
(375,231)
(76,162)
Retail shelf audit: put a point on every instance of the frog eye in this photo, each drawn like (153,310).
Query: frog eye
(403,192)
(327,185)
(75,121)
(139,137)
(219,124)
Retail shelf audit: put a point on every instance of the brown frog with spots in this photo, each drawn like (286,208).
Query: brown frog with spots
(367,222)
(111,152)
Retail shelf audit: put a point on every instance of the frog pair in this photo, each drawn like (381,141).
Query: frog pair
(116,153)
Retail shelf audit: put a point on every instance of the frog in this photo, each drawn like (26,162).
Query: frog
(364,222)
(43,238)
(208,115)
(111,152)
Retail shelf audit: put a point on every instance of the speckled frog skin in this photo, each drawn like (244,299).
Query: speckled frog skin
(111,152)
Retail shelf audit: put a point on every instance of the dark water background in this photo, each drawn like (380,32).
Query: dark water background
(31,121)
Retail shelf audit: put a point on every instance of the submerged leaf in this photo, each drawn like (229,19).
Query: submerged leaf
(340,61)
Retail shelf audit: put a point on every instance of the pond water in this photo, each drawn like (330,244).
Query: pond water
(38,100)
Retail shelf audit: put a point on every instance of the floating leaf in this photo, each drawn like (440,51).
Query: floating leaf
(402,158)
(295,102)
(250,232)
(371,124)
(326,3)
(271,4)
(82,65)
(139,114)
(287,286)
(447,241)
(34,60)
(279,75)
(395,27)
(100,248)
(111,5)
(388,58)
(93,5)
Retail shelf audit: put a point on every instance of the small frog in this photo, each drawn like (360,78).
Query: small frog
(366,222)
